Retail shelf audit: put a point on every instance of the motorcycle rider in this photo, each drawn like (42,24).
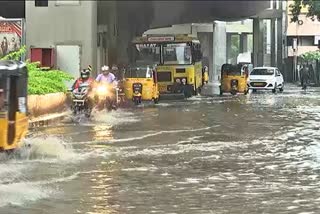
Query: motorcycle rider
(84,78)
(109,78)
(106,76)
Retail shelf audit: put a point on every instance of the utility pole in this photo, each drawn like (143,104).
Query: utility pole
(294,48)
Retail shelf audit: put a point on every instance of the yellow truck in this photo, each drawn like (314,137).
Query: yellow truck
(177,59)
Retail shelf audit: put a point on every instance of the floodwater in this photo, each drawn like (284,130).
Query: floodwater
(258,153)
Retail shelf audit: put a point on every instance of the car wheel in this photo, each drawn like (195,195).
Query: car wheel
(281,89)
(254,90)
(275,89)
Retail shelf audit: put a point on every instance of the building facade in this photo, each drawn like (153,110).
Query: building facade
(69,28)
(302,36)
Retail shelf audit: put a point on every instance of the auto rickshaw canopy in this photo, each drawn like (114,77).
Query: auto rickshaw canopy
(12,68)
(18,69)
(229,69)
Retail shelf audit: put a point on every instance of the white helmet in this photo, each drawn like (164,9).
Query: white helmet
(105,68)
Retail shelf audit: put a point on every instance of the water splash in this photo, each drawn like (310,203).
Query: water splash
(48,149)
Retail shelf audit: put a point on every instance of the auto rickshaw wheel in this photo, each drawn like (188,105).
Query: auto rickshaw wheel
(156,100)
(233,92)
(246,92)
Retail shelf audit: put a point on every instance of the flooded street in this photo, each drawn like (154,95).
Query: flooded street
(258,153)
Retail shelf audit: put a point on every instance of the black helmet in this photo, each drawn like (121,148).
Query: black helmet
(85,74)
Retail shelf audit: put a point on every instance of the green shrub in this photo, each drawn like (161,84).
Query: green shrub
(39,81)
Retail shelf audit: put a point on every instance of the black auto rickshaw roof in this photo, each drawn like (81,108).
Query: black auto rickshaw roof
(12,68)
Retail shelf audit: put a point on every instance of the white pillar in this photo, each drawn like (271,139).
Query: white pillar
(219,53)
(219,46)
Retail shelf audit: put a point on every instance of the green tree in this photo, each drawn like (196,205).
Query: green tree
(313,9)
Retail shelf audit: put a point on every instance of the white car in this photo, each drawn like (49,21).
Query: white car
(266,78)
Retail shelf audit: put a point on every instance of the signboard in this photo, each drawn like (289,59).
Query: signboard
(11,35)
(161,39)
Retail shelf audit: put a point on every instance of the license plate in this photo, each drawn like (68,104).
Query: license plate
(259,84)
(162,87)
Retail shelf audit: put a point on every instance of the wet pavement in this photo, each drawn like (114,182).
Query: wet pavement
(258,153)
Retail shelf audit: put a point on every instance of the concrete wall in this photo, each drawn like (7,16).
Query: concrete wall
(65,24)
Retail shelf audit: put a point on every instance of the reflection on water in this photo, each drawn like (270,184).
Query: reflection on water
(245,154)
(102,133)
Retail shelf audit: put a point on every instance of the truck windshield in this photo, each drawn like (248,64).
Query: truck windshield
(179,54)
(262,71)
(147,54)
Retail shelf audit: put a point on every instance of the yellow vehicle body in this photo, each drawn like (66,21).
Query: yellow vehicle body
(149,88)
(140,84)
(13,104)
(192,74)
(8,142)
(177,57)
(233,80)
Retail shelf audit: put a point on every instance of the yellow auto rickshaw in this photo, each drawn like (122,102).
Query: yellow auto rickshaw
(234,79)
(13,104)
(140,84)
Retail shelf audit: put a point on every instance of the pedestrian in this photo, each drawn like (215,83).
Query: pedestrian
(1,99)
(304,75)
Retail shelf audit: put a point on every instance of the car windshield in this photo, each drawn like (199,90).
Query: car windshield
(262,71)
(147,54)
(179,54)
(139,72)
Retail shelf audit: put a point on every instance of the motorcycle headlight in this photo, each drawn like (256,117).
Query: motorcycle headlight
(101,90)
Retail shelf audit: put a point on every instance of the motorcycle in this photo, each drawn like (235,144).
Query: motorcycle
(80,101)
(107,96)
